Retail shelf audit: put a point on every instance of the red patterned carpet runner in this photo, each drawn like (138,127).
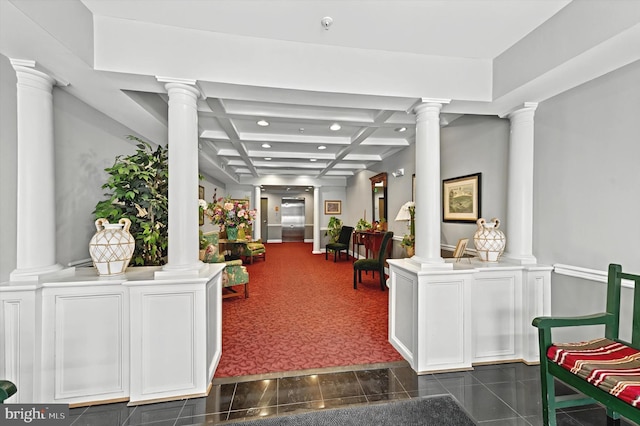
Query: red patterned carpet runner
(302,312)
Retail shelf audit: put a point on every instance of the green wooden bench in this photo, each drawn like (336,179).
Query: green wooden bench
(7,389)
(597,366)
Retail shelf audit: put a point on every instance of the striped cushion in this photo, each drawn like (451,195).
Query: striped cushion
(609,365)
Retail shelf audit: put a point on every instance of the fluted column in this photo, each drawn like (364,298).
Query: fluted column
(519,221)
(316,220)
(428,187)
(257,225)
(36,232)
(183,178)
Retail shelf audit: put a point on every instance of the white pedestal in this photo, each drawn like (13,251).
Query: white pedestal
(83,339)
(474,313)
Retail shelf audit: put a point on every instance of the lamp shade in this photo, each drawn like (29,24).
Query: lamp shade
(404,214)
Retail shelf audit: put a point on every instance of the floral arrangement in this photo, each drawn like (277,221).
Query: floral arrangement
(228,213)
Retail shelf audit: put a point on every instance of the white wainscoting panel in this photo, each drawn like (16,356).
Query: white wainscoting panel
(168,335)
(403,314)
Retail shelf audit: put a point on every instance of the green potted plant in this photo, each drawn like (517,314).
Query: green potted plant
(363,225)
(333,229)
(138,188)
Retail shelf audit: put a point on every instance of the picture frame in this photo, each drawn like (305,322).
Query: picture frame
(332,207)
(201,197)
(461,198)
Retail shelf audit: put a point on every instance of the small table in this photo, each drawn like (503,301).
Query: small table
(372,240)
(234,247)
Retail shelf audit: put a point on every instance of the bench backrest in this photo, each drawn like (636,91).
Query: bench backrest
(614,287)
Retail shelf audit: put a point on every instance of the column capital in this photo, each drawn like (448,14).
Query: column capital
(423,103)
(529,107)
(181,83)
(29,66)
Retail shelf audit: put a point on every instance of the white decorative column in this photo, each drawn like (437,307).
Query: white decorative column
(428,189)
(257,226)
(316,220)
(520,186)
(183,178)
(36,232)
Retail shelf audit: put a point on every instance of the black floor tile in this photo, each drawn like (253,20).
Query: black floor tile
(494,395)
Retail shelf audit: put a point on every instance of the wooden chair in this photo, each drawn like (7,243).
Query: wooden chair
(615,367)
(7,389)
(376,264)
(342,244)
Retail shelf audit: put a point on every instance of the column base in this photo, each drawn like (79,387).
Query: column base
(33,274)
(429,263)
(522,259)
(186,271)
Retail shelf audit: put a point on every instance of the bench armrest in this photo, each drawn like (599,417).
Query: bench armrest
(549,322)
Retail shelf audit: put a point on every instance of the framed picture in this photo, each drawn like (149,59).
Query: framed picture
(332,207)
(461,198)
(201,196)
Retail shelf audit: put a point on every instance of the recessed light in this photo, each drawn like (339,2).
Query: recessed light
(312,159)
(301,129)
(263,123)
(266,145)
(401,129)
(335,127)
(267,158)
(321,147)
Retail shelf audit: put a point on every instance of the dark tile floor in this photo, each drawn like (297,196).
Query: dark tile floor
(496,395)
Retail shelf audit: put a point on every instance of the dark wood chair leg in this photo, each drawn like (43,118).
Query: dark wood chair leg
(355,283)
(382,280)
(326,254)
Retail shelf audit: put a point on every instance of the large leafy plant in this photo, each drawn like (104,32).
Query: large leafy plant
(333,229)
(138,188)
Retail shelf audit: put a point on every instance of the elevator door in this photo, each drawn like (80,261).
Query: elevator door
(292,219)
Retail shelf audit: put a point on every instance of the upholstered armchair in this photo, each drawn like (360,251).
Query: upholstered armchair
(255,249)
(234,273)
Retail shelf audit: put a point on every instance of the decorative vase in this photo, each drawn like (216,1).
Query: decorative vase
(410,251)
(489,240)
(241,234)
(112,246)
(232,234)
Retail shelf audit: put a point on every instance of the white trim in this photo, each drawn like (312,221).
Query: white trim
(586,273)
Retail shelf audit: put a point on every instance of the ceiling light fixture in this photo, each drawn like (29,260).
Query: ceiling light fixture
(326,22)
(335,127)
(263,123)
(266,145)
(401,129)
(312,159)
(321,147)
(267,158)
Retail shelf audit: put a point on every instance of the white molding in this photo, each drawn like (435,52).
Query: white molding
(586,273)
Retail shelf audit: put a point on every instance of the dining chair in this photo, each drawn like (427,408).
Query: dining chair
(342,244)
(375,264)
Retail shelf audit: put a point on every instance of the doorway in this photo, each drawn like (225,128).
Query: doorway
(292,219)
(264,224)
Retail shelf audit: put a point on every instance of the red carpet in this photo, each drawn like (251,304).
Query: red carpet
(302,312)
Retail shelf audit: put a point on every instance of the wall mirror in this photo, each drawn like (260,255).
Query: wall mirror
(379,197)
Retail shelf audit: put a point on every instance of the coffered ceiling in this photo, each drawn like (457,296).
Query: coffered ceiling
(274,81)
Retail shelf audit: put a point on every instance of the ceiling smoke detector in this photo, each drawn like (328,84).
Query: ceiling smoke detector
(326,22)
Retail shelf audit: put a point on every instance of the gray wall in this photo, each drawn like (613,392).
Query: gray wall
(586,203)
(587,148)
(477,144)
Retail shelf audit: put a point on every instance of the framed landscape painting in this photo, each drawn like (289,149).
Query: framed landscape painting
(461,198)
(333,207)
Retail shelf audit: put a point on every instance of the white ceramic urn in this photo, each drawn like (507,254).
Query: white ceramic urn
(112,246)
(489,240)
